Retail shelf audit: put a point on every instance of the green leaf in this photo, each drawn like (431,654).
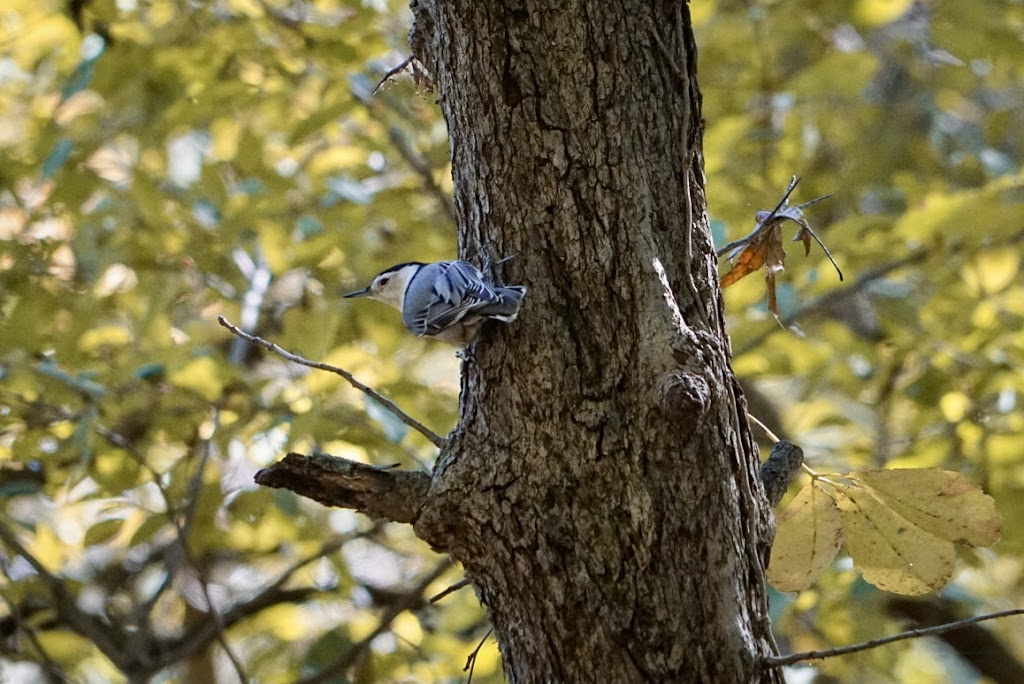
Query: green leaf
(148,529)
(103,531)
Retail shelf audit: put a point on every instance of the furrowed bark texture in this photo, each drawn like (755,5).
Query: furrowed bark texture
(601,489)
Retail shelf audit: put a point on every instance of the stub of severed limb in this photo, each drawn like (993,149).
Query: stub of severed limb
(779,470)
(395,495)
(388,405)
(781,467)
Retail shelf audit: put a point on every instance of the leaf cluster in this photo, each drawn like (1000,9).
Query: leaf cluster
(899,527)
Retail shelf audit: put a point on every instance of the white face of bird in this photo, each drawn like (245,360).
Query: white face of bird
(389,286)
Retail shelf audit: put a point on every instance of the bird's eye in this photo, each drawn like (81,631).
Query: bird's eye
(383,281)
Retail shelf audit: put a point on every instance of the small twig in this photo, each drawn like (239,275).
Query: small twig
(416,160)
(865,280)
(195,485)
(51,670)
(257,273)
(144,608)
(290,23)
(392,408)
(271,595)
(778,661)
(422,166)
(471,660)
(66,605)
(452,589)
(771,435)
(393,72)
(410,599)
(197,639)
(413,157)
(771,215)
(184,528)
(325,550)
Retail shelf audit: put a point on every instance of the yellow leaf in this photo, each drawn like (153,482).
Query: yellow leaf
(64,646)
(941,502)
(48,548)
(225,133)
(878,12)
(992,271)
(407,627)
(891,552)
(201,375)
(286,622)
(806,541)
(954,406)
(104,336)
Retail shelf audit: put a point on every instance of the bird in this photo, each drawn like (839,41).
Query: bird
(446,300)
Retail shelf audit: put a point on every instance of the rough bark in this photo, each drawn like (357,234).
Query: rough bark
(601,489)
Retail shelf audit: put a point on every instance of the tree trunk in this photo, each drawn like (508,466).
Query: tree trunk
(601,489)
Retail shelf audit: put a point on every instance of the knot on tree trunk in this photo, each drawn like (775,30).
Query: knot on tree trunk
(687,396)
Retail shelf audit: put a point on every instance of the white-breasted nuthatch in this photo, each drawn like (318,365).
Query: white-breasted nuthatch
(448,300)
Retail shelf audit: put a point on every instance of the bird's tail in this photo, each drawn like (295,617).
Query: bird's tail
(507,307)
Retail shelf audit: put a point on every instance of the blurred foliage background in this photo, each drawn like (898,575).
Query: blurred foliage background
(166,162)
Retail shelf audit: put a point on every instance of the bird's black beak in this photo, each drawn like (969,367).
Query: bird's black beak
(358,293)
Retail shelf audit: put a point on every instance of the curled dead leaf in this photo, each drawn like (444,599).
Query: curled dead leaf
(763,246)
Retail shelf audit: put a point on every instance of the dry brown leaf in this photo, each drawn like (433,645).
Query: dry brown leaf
(763,246)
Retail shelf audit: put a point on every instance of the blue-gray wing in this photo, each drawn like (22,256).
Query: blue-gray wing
(444,293)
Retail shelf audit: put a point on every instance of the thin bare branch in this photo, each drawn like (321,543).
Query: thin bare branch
(471,660)
(389,405)
(325,550)
(171,560)
(422,167)
(450,590)
(863,282)
(781,660)
(393,72)
(105,638)
(409,600)
(205,632)
(408,152)
(183,529)
(17,616)
(772,437)
(271,595)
